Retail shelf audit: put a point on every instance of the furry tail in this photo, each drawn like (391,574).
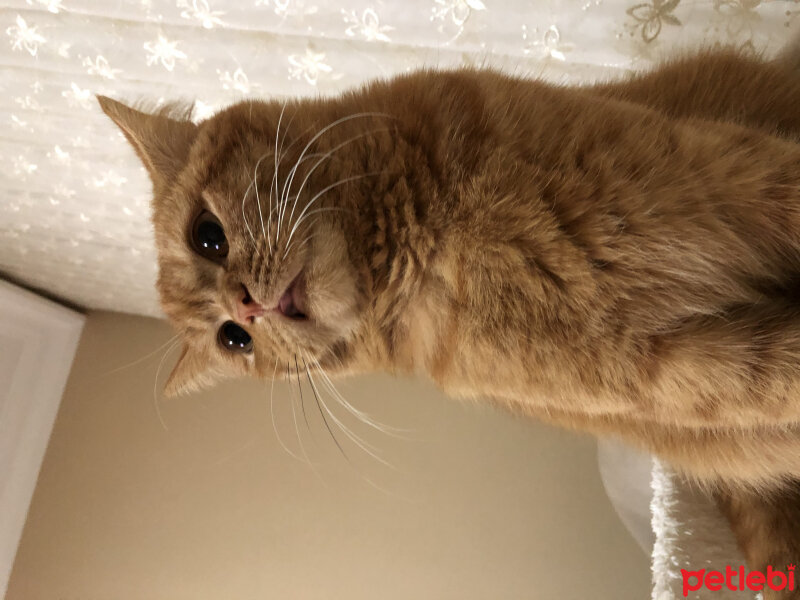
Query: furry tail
(767,528)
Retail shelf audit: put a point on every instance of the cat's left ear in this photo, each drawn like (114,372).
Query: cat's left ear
(192,372)
(162,140)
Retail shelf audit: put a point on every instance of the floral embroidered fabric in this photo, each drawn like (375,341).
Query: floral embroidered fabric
(74,205)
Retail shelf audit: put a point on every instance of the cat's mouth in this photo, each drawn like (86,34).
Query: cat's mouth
(292,304)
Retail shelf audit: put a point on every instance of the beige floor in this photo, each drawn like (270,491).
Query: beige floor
(478,505)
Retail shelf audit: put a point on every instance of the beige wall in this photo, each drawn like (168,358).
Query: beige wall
(479,504)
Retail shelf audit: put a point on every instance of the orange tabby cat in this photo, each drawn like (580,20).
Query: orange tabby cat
(620,258)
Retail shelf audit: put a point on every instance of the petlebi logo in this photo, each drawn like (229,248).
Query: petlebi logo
(737,579)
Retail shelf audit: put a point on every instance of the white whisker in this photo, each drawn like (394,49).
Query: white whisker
(326,190)
(272,415)
(300,245)
(155,385)
(310,236)
(282,197)
(318,399)
(300,161)
(278,161)
(326,156)
(324,419)
(143,358)
(312,213)
(294,415)
(285,191)
(244,217)
(361,415)
(300,390)
(358,441)
(258,200)
(275,178)
(317,136)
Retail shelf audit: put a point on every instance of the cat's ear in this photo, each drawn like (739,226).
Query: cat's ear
(162,139)
(192,372)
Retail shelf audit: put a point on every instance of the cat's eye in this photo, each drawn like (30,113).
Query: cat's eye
(208,237)
(234,338)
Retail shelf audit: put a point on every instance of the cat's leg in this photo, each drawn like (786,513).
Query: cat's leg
(767,527)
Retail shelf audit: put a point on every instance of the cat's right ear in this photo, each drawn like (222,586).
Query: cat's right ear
(162,140)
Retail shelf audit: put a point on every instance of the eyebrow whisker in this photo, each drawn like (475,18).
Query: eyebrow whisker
(244,218)
(326,190)
(316,137)
(325,156)
(258,201)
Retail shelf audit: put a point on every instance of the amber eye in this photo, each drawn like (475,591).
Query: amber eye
(208,237)
(234,338)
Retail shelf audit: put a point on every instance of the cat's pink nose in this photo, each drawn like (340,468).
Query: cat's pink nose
(246,308)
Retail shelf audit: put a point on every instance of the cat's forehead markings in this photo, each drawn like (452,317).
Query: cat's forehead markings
(210,199)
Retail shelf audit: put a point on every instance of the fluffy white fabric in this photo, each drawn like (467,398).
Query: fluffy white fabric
(674,521)
(690,533)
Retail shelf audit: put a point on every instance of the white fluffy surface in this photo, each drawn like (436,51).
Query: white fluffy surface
(678,524)
(690,533)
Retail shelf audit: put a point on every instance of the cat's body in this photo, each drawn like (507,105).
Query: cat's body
(615,266)
(620,258)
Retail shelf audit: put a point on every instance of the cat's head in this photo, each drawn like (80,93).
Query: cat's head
(261,258)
